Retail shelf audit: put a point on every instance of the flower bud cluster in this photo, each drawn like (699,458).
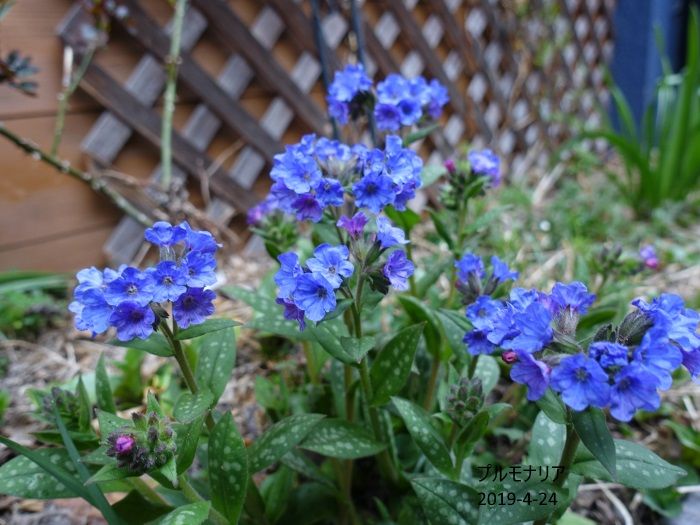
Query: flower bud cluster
(471,276)
(146,446)
(464,400)
(480,170)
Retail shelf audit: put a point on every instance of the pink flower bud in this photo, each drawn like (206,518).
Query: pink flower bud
(450,165)
(509,357)
(124,444)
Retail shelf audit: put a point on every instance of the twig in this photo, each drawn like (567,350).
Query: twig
(63,166)
(171,66)
(619,506)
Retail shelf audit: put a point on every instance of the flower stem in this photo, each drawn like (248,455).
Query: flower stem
(567,459)
(432,382)
(193,496)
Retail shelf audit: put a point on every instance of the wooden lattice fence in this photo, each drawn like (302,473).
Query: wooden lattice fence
(521,75)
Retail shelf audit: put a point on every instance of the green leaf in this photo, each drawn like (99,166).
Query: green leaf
(488,371)
(217,358)
(454,326)
(474,431)
(405,219)
(419,134)
(357,348)
(279,439)
(430,276)
(431,173)
(637,467)
(442,229)
(192,514)
(595,317)
(103,390)
(187,439)
(551,405)
(425,435)
(228,468)
(110,423)
(391,368)
(547,441)
(189,407)
(593,430)
(169,472)
(207,327)
(134,509)
(84,406)
(329,336)
(337,438)
(418,313)
(296,460)
(24,478)
(445,501)
(156,344)
(275,492)
(108,473)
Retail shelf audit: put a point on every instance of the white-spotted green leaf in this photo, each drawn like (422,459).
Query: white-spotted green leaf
(424,434)
(103,390)
(329,335)
(637,467)
(23,478)
(547,441)
(207,327)
(337,438)
(187,439)
(431,173)
(420,313)
(297,461)
(228,468)
(488,371)
(446,501)
(279,439)
(551,405)
(110,423)
(191,514)
(217,357)
(391,368)
(275,491)
(189,407)
(357,348)
(156,344)
(529,501)
(592,428)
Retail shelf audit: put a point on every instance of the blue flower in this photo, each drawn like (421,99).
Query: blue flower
(438,97)
(681,323)
(482,311)
(355,226)
(469,264)
(410,110)
(609,354)
(193,307)
(691,360)
(387,117)
(307,207)
(315,295)
(286,276)
(92,313)
(634,388)
(170,281)
(486,163)
(348,83)
(658,356)
(581,382)
(398,269)
(332,263)
(534,329)
(292,312)
(573,296)
(392,89)
(261,210)
(477,342)
(374,191)
(501,271)
(389,235)
(339,110)
(132,285)
(296,170)
(532,373)
(200,269)
(520,298)
(199,240)
(132,320)
(329,192)
(164,234)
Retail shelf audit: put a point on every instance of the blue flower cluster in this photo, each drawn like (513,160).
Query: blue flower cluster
(124,298)
(398,101)
(316,174)
(471,273)
(485,163)
(616,374)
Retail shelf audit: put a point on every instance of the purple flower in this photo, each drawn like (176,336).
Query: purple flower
(170,281)
(389,235)
(477,342)
(315,295)
(659,356)
(374,191)
(329,192)
(307,207)
(581,382)
(388,117)
(531,372)
(332,263)
(649,258)
(481,312)
(534,329)
(486,163)
(132,320)
(292,312)
(691,360)
(573,296)
(286,276)
(164,234)
(354,226)
(193,307)
(261,210)
(608,354)
(634,388)
(132,285)
(398,269)
(469,264)
(199,269)
(501,272)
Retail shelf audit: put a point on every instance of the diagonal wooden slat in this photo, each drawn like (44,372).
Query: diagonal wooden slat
(147,32)
(234,35)
(145,121)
